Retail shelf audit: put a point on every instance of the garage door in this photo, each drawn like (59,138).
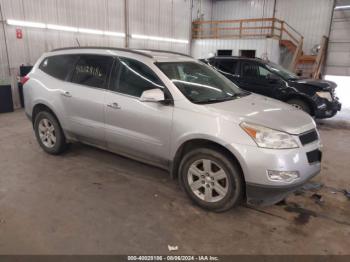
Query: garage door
(338,56)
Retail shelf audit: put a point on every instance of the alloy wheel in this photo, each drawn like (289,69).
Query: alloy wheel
(47,133)
(207,180)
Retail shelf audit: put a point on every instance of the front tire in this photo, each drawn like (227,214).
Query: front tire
(211,180)
(49,133)
(300,104)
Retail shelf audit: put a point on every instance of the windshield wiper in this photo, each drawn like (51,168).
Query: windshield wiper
(214,100)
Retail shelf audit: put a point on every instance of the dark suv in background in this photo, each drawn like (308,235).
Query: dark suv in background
(316,97)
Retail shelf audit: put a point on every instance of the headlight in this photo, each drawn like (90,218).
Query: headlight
(325,95)
(269,138)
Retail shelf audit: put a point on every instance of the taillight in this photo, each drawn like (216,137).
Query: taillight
(24,79)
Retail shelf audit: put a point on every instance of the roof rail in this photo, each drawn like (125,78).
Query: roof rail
(110,48)
(164,51)
(237,57)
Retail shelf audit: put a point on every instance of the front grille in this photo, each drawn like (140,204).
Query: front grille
(308,137)
(314,156)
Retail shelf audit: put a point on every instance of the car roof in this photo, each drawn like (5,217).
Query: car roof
(155,55)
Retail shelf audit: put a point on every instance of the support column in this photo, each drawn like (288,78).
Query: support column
(126,23)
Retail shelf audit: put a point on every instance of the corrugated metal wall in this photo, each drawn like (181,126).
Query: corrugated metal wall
(104,15)
(309,17)
(265,48)
(202,9)
(3,59)
(338,55)
(164,18)
(242,9)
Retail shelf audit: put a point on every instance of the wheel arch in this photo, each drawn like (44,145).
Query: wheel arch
(39,107)
(303,98)
(193,143)
(61,138)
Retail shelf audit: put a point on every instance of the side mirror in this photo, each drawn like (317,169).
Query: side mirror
(152,95)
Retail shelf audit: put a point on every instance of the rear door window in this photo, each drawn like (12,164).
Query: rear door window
(250,70)
(59,66)
(254,70)
(92,70)
(227,65)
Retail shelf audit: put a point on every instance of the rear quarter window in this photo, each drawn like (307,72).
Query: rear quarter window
(59,66)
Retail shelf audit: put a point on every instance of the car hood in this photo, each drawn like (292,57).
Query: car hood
(264,111)
(318,85)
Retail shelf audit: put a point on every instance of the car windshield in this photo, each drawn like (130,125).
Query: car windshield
(199,83)
(281,71)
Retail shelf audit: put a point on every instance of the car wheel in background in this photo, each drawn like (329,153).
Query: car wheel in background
(300,104)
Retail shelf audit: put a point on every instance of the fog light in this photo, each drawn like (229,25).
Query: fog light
(282,176)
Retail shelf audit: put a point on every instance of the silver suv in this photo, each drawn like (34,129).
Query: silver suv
(223,144)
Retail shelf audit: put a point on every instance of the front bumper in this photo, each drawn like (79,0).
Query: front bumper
(327,109)
(255,162)
(263,195)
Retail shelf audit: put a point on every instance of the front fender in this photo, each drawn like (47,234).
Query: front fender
(236,150)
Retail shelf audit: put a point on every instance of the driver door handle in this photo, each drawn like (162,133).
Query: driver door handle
(66,94)
(114,105)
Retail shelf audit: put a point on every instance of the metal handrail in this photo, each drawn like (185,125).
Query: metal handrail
(291,27)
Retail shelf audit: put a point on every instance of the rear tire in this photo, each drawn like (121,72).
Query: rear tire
(300,104)
(49,133)
(211,179)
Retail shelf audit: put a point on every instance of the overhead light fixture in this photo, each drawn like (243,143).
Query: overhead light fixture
(90,31)
(342,7)
(110,33)
(157,38)
(63,28)
(25,23)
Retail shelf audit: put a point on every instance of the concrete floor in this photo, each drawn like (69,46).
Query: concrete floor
(93,202)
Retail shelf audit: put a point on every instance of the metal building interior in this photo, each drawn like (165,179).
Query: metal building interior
(90,201)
